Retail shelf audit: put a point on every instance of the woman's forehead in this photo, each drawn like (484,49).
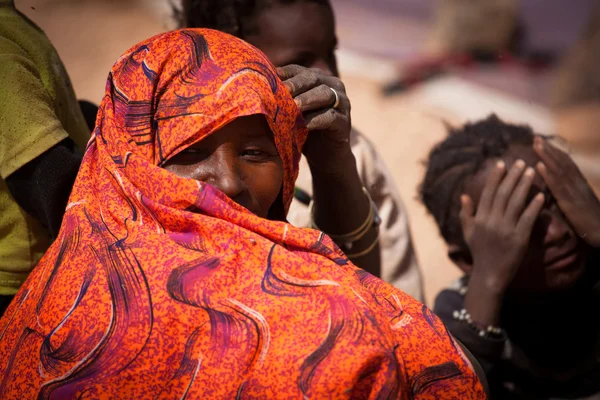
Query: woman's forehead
(240,129)
(521,152)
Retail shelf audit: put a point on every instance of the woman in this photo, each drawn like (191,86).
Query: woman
(524,226)
(302,32)
(174,274)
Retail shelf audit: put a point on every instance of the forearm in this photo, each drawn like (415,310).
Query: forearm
(483,303)
(340,206)
(483,300)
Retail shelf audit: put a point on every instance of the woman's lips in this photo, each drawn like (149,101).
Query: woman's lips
(561,259)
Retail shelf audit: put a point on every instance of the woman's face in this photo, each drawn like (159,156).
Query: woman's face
(556,256)
(300,33)
(240,160)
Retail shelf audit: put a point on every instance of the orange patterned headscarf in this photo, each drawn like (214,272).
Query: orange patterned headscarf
(161,287)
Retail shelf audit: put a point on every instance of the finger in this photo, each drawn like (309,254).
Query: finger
(543,171)
(334,82)
(289,71)
(489,190)
(552,147)
(467,209)
(556,185)
(325,120)
(303,81)
(506,187)
(516,203)
(529,216)
(546,152)
(320,97)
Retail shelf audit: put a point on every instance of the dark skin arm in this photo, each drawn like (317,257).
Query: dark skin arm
(498,234)
(340,206)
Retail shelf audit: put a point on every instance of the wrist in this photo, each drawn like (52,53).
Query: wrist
(490,285)
(483,306)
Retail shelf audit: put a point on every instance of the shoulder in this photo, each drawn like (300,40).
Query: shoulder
(9,49)
(16,30)
(438,363)
(13,55)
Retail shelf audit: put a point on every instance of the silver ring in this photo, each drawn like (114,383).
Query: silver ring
(337,98)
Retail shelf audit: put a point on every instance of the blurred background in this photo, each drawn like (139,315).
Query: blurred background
(410,67)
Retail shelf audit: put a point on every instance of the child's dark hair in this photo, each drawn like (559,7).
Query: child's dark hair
(230,16)
(459,156)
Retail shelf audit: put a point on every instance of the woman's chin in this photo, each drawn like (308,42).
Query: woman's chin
(565,277)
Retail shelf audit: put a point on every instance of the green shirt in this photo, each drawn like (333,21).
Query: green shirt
(38,109)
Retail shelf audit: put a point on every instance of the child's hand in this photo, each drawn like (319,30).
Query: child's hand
(573,194)
(498,234)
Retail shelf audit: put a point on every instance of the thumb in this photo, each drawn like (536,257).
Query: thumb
(467,209)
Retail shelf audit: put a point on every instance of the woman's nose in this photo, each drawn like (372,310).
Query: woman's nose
(557,231)
(227,179)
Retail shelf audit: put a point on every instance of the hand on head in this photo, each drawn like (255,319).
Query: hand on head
(518,238)
(326,110)
(493,235)
(498,233)
(299,37)
(526,232)
(573,194)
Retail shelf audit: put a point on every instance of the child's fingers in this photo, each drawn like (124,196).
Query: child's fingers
(549,154)
(467,209)
(516,204)
(507,186)
(489,190)
(529,216)
(542,169)
(556,152)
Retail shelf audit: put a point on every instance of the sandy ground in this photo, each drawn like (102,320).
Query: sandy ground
(91,35)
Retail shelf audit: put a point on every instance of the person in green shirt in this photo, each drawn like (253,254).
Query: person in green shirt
(41,130)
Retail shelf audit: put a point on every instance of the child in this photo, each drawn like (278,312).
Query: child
(524,226)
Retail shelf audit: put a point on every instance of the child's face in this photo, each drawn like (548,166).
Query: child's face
(556,256)
(300,33)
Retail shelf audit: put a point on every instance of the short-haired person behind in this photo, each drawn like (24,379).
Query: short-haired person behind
(41,127)
(524,226)
(175,275)
(302,32)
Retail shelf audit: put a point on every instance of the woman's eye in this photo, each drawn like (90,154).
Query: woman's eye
(255,154)
(193,155)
